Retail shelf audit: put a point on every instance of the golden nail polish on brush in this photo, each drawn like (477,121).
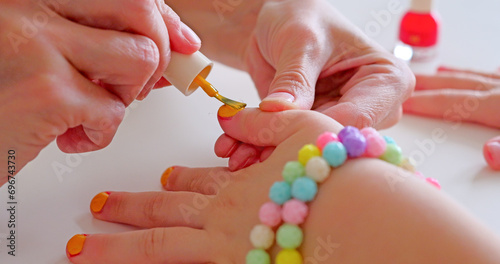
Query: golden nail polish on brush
(188,72)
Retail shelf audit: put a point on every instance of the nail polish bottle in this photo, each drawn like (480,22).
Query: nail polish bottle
(419,36)
(183,70)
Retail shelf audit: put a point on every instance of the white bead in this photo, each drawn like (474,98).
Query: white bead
(262,237)
(318,169)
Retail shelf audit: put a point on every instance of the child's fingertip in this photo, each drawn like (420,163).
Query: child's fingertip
(98,202)
(491,152)
(75,245)
(166,174)
(227,112)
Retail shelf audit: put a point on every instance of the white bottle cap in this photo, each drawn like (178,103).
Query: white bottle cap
(421,6)
(183,69)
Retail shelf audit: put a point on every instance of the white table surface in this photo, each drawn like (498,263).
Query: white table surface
(53,203)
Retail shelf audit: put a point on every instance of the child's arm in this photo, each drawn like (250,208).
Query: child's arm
(367,211)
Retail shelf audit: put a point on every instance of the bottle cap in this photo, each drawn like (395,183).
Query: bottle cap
(183,69)
(421,6)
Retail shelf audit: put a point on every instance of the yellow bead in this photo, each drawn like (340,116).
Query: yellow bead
(289,256)
(307,152)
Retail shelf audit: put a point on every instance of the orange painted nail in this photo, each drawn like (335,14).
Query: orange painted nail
(226,112)
(165,175)
(99,201)
(75,245)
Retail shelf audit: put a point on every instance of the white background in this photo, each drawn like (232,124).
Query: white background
(164,130)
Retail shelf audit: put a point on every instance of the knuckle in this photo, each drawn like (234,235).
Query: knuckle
(148,54)
(152,245)
(153,207)
(140,7)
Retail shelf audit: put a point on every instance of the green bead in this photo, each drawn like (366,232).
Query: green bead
(392,154)
(258,256)
(289,236)
(292,171)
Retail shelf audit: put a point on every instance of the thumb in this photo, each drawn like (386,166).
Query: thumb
(266,129)
(294,83)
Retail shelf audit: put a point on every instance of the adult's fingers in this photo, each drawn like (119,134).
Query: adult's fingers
(150,18)
(458,80)
(121,62)
(373,95)
(92,114)
(206,181)
(457,105)
(157,245)
(494,75)
(149,209)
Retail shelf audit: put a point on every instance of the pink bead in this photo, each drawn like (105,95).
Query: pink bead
(375,143)
(294,212)
(419,175)
(326,138)
(270,214)
(434,182)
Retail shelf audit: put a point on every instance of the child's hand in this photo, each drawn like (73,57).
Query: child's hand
(366,207)
(207,212)
(461,96)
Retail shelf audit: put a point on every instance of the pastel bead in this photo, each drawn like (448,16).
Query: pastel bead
(289,256)
(326,138)
(408,164)
(304,189)
(294,212)
(270,214)
(389,140)
(346,131)
(289,236)
(375,143)
(393,154)
(293,170)
(434,182)
(419,175)
(335,154)
(258,256)
(262,237)
(308,151)
(355,145)
(280,192)
(317,169)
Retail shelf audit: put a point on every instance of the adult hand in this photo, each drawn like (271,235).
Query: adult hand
(306,55)
(69,68)
(461,96)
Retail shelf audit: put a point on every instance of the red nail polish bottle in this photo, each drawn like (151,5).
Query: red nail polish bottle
(418,33)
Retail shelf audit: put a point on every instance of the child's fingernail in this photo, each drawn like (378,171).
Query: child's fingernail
(491,153)
(165,175)
(99,201)
(226,112)
(75,245)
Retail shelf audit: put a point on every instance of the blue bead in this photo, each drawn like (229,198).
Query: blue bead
(304,189)
(280,192)
(355,144)
(348,130)
(389,140)
(335,154)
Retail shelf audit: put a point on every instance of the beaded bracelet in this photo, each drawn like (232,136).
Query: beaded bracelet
(289,198)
